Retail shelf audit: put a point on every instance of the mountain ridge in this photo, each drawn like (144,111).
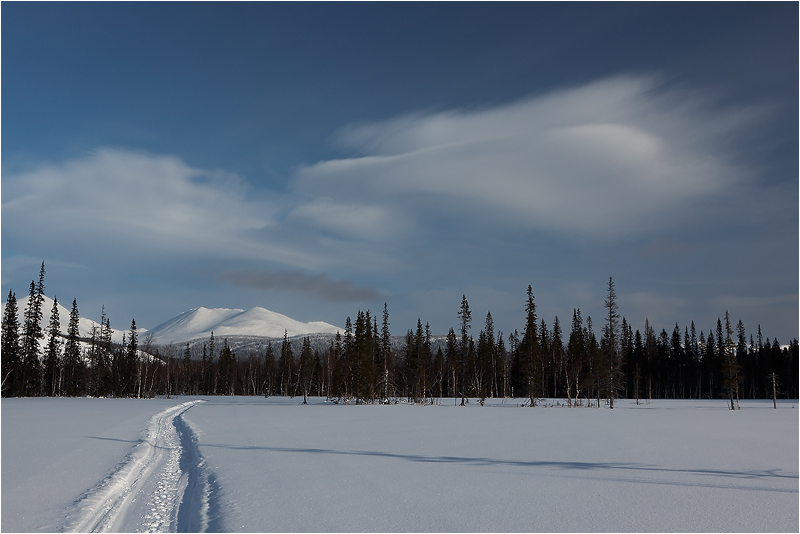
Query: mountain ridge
(199,322)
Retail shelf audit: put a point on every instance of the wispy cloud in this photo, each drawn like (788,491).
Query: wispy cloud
(350,220)
(319,285)
(135,205)
(616,157)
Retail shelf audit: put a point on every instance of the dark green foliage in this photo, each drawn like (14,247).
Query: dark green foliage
(11,348)
(72,380)
(52,362)
(30,368)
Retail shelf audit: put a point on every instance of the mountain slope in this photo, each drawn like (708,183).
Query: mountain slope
(200,322)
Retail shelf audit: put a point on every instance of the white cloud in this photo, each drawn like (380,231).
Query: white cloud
(132,204)
(612,158)
(349,220)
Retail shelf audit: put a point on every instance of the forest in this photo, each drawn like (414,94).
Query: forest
(366,364)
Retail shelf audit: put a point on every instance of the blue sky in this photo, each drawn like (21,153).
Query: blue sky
(318,159)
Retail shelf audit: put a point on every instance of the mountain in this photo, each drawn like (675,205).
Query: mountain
(224,322)
(194,324)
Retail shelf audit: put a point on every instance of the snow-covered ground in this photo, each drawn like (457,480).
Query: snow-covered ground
(254,464)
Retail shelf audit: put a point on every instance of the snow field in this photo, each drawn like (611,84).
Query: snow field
(668,466)
(252,464)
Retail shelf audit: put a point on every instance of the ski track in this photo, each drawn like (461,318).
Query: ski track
(163,486)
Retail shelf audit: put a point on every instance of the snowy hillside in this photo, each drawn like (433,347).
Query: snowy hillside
(200,322)
(85,325)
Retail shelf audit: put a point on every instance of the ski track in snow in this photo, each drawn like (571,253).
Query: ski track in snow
(162,486)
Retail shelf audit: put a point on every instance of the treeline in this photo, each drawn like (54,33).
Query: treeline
(364,365)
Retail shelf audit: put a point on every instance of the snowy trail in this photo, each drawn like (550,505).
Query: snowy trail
(162,487)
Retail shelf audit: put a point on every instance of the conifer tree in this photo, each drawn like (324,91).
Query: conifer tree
(557,350)
(386,354)
(31,334)
(11,349)
(72,355)
(52,353)
(285,365)
(502,358)
(490,356)
(611,334)
(451,360)
(529,350)
(363,357)
(130,358)
(731,368)
(576,355)
(545,358)
(465,318)
(594,357)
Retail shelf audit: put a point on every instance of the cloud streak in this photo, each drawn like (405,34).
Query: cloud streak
(319,285)
(616,157)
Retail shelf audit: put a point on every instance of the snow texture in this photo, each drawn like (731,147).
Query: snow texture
(144,494)
(251,464)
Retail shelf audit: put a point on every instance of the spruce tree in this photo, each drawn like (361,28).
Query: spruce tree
(286,366)
(31,334)
(731,367)
(529,350)
(465,318)
(451,357)
(53,353)
(611,334)
(72,355)
(11,348)
(363,357)
(490,357)
(386,354)
(130,359)
(576,356)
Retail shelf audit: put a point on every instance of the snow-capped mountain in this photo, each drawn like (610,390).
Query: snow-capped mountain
(194,324)
(85,325)
(224,322)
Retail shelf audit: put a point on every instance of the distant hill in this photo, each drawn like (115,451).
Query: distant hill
(258,322)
